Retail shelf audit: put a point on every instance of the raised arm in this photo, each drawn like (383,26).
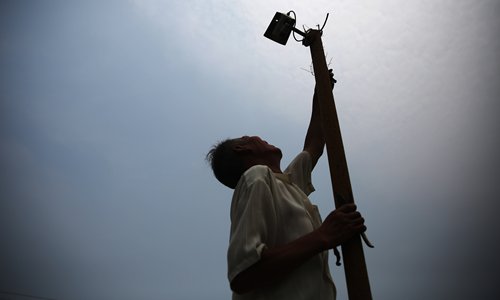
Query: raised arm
(315,140)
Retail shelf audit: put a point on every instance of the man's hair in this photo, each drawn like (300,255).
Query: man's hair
(226,164)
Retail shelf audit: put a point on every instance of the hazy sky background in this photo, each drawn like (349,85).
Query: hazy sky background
(109,107)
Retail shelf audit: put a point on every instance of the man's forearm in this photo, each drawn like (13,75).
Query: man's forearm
(276,263)
(315,140)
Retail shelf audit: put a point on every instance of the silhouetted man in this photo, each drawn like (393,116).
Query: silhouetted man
(278,247)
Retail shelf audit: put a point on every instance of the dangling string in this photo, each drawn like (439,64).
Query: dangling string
(337,255)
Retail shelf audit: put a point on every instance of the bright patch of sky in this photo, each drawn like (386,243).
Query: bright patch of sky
(108,108)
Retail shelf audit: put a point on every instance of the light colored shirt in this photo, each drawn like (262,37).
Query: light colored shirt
(269,210)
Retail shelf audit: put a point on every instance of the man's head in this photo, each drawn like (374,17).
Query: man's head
(232,157)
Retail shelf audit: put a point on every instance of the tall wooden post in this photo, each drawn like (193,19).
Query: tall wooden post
(358,286)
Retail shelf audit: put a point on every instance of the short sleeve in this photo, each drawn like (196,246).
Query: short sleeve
(253,222)
(300,170)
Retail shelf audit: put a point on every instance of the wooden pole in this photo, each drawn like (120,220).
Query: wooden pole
(358,286)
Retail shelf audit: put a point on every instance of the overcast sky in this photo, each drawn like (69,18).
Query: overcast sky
(107,109)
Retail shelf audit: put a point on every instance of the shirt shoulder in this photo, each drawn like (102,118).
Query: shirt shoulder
(300,170)
(258,173)
(252,186)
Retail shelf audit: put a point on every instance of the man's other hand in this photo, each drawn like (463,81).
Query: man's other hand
(341,225)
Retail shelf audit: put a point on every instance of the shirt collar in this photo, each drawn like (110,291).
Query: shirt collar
(283,177)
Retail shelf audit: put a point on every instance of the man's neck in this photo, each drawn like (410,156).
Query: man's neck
(275,167)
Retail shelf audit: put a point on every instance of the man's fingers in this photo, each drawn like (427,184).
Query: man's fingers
(353,215)
(357,228)
(360,229)
(359,220)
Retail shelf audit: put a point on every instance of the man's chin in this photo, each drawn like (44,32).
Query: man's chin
(278,152)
